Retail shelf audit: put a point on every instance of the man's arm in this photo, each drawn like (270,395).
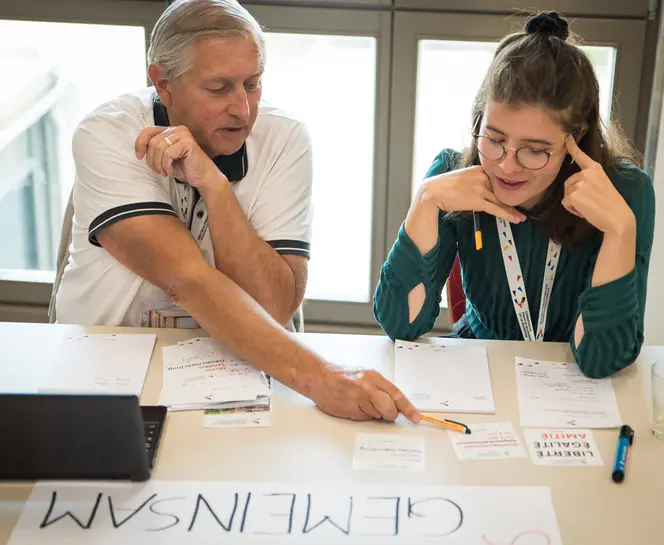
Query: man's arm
(162,251)
(276,282)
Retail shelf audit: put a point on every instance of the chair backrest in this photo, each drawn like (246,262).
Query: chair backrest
(456,298)
(63,254)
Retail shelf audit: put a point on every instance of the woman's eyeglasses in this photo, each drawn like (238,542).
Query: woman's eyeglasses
(529,158)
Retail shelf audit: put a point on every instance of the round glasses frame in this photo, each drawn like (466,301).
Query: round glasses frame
(477,136)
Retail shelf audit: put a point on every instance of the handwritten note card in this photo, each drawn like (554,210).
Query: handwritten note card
(490,441)
(209,513)
(101,364)
(389,452)
(439,378)
(563,448)
(556,395)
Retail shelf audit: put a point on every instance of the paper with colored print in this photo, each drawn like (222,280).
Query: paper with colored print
(256,416)
(200,373)
(557,395)
(563,448)
(440,378)
(489,441)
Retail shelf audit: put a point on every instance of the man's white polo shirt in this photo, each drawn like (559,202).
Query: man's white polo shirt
(273,173)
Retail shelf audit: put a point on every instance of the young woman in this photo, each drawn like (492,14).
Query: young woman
(566,216)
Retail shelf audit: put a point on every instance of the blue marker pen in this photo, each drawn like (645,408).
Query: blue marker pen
(625,441)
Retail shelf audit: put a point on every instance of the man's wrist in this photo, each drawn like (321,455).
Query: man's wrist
(216,184)
(316,380)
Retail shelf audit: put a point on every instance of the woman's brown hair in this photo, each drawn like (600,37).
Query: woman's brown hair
(543,66)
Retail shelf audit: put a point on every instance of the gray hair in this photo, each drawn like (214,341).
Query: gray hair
(184,21)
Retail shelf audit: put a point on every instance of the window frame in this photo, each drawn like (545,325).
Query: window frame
(316,4)
(569,8)
(377,24)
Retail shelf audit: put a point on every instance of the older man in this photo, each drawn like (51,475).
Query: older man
(191,193)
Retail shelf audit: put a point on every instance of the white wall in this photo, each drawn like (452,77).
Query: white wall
(654,326)
(654,321)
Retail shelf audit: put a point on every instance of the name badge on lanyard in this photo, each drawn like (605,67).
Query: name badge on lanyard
(518,287)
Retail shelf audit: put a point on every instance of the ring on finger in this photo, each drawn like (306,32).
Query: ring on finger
(168,140)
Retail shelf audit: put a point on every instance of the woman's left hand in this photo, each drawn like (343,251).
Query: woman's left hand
(590,194)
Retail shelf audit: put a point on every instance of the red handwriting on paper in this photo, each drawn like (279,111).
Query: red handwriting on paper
(529,537)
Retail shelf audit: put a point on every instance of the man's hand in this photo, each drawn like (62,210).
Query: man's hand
(362,395)
(172,151)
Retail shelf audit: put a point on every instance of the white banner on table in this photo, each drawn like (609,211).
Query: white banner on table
(556,394)
(207,513)
(100,364)
(439,378)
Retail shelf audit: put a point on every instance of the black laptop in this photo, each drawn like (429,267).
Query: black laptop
(77,437)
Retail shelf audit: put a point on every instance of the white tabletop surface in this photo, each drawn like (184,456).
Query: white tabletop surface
(305,445)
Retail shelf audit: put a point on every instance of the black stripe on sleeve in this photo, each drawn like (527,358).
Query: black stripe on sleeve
(291,247)
(126,211)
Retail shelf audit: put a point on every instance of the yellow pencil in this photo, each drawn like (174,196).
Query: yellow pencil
(450,424)
(478,232)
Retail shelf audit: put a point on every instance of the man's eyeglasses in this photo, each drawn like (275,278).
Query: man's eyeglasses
(529,158)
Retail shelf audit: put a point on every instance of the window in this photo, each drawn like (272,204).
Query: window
(451,72)
(368,80)
(328,82)
(60,72)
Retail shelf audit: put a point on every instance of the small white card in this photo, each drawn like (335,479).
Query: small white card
(389,452)
(563,448)
(489,441)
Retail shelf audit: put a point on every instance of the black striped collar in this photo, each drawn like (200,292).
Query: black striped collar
(233,166)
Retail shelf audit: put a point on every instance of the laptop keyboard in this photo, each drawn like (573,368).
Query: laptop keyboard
(153,425)
(150,432)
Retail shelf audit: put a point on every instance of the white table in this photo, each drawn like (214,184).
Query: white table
(306,445)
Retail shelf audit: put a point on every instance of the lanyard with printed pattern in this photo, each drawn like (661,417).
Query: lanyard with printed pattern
(518,287)
(191,209)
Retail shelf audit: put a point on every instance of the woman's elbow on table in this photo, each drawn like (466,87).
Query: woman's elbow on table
(395,323)
(392,326)
(598,359)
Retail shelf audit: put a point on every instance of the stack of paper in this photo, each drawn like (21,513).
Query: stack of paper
(437,378)
(202,374)
(257,416)
(555,394)
(100,364)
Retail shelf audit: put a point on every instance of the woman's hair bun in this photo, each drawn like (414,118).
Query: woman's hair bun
(548,23)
